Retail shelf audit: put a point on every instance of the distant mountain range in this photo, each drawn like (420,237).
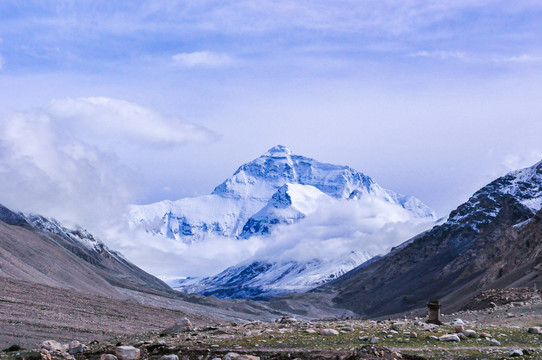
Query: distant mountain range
(273,191)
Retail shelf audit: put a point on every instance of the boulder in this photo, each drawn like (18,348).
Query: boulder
(75,347)
(458,328)
(458,322)
(535,330)
(169,357)
(449,337)
(288,320)
(52,345)
(329,332)
(183,325)
(515,353)
(494,342)
(470,333)
(127,353)
(108,357)
(235,356)
(348,329)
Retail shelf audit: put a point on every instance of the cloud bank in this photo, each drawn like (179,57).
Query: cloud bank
(335,229)
(62,160)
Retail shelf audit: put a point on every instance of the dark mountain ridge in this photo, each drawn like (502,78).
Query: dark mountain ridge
(493,240)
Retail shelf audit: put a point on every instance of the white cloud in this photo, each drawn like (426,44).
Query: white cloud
(44,171)
(115,118)
(67,160)
(441,55)
(201,58)
(477,58)
(341,226)
(336,228)
(518,59)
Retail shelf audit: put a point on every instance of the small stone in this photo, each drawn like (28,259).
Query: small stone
(494,342)
(413,335)
(485,335)
(449,337)
(235,356)
(535,330)
(458,322)
(458,328)
(52,345)
(169,357)
(433,337)
(348,329)
(127,353)
(108,357)
(363,338)
(329,332)
(288,320)
(515,353)
(462,336)
(75,347)
(310,331)
(374,340)
(469,333)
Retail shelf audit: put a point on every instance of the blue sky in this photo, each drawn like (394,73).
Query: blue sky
(143,101)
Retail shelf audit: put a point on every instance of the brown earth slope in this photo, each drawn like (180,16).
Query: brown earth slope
(492,241)
(56,256)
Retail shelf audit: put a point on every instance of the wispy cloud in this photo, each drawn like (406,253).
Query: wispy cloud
(517,59)
(201,58)
(441,55)
(474,58)
(119,119)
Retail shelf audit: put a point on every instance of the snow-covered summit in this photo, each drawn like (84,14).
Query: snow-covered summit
(234,203)
(263,176)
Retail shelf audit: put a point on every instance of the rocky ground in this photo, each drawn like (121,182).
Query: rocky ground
(501,331)
(31,312)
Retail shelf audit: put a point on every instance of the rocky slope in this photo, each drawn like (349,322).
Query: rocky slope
(493,240)
(37,249)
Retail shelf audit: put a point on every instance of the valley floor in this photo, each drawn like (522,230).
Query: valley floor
(31,313)
(407,337)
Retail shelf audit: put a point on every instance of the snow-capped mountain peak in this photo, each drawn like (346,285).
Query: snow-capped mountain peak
(278,151)
(280,189)
(231,207)
(525,185)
